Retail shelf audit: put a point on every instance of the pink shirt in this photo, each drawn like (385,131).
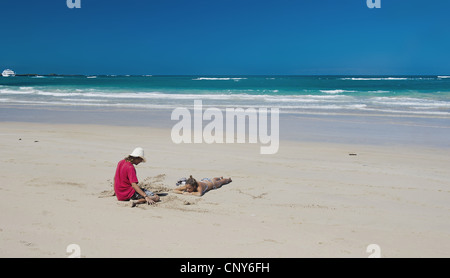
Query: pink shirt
(125,176)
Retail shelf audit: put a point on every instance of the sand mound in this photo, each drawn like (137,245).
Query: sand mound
(156,184)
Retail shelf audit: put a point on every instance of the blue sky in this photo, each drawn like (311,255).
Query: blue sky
(222,37)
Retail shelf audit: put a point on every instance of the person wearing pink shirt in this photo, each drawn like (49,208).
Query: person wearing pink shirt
(126,182)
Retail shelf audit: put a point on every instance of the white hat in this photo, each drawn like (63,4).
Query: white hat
(138,152)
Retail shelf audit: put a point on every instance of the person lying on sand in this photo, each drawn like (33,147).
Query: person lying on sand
(126,182)
(198,188)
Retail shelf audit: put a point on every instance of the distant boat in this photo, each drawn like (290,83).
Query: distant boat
(8,72)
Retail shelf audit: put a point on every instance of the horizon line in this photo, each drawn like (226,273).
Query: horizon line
(224,75)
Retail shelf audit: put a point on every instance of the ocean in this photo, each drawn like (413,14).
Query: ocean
(421,96)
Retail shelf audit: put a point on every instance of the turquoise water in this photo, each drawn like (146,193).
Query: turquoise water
(393,95)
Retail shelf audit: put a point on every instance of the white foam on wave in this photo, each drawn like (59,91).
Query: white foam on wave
(337,91)
(378,92)
(146,95)
(83,100)
(375,78)
(92,93)
(307,98)
(74,103)
(16,92)
(443,77)
(58,94)
(293,108)
(406,101)
(314,101)
(87,94)
(423,113)
(219,78)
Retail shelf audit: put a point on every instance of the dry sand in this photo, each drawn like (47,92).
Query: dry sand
(308,200)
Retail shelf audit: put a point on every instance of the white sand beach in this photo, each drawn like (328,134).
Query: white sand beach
(332,118)
(308,200)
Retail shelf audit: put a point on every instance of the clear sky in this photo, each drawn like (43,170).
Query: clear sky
(223,37)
